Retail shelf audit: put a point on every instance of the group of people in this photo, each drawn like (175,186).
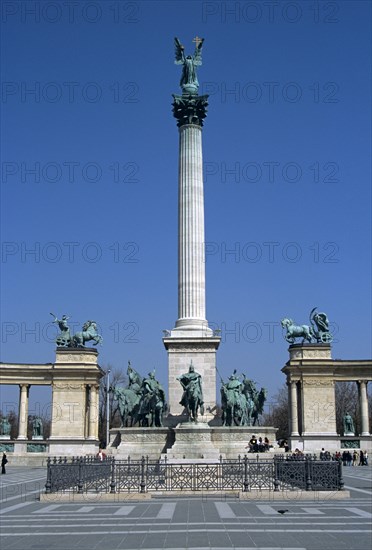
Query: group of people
(353,459)
(258,445)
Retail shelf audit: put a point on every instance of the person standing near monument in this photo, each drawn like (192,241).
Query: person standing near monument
(4,461)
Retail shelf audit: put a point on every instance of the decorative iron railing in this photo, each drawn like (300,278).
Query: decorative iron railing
(82,475)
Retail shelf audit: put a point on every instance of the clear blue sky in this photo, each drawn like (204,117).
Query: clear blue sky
(286,148)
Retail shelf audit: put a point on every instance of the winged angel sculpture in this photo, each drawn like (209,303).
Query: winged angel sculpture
(189,80)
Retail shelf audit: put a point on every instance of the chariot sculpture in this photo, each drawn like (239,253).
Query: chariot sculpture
(67,340)
(317,331)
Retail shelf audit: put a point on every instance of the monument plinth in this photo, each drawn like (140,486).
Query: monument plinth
(191,340)
(75,384)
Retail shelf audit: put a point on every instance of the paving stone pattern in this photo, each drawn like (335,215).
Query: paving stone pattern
(199,523)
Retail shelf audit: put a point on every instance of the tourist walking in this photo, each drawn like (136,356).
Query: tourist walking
(4,461)
(355,458)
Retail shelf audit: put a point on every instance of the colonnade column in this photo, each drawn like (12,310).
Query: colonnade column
(363,402)
(23,411)
(93,412)
(294,408)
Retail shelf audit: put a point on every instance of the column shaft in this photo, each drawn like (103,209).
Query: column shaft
(294,409)
(363,402)
(23,411)
(191,265)
(93,413)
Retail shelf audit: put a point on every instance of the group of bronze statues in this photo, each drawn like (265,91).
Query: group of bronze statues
(143,401)
(241,402)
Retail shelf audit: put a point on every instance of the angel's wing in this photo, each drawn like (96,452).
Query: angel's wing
(178,52)
(198,53)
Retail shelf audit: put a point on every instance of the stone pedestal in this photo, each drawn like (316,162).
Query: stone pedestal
(192,441)
(187,441)
(138,442)
(233,441)
(202,353)
(74,428)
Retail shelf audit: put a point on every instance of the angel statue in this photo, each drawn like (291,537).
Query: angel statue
(189,80)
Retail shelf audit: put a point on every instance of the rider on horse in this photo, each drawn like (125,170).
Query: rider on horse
(234,389)
(134,379)
(153,399)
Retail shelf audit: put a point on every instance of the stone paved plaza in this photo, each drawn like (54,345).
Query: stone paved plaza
(202,522)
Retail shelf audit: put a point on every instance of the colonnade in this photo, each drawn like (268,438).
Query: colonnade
(311,376)
(296,405)
(74,378)
(90,413)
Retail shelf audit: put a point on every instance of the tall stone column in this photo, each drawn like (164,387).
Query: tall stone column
(93,412)
(191,340)
(294,409)
(363,403)
(191,265)
(23,411)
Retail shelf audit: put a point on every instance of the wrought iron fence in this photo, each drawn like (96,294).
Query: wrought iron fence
(83,475)
(79,474)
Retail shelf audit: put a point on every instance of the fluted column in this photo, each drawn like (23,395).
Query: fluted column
(191,278)
(363,403)
(23,411)
(294,409)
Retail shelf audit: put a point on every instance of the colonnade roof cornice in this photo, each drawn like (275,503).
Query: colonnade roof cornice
(44,374)
(353,374)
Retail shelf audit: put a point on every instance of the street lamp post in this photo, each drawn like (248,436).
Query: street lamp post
(107,407)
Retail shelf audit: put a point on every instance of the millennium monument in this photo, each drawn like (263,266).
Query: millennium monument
(181,426)
(191,341)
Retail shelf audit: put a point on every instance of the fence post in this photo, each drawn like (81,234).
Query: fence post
(340,478)
(143,482)
(246,483)
(80,480)
(276,475)
(112,484)
(308,460)
(48,485)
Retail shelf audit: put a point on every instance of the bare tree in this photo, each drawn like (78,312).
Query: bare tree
(278,413)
